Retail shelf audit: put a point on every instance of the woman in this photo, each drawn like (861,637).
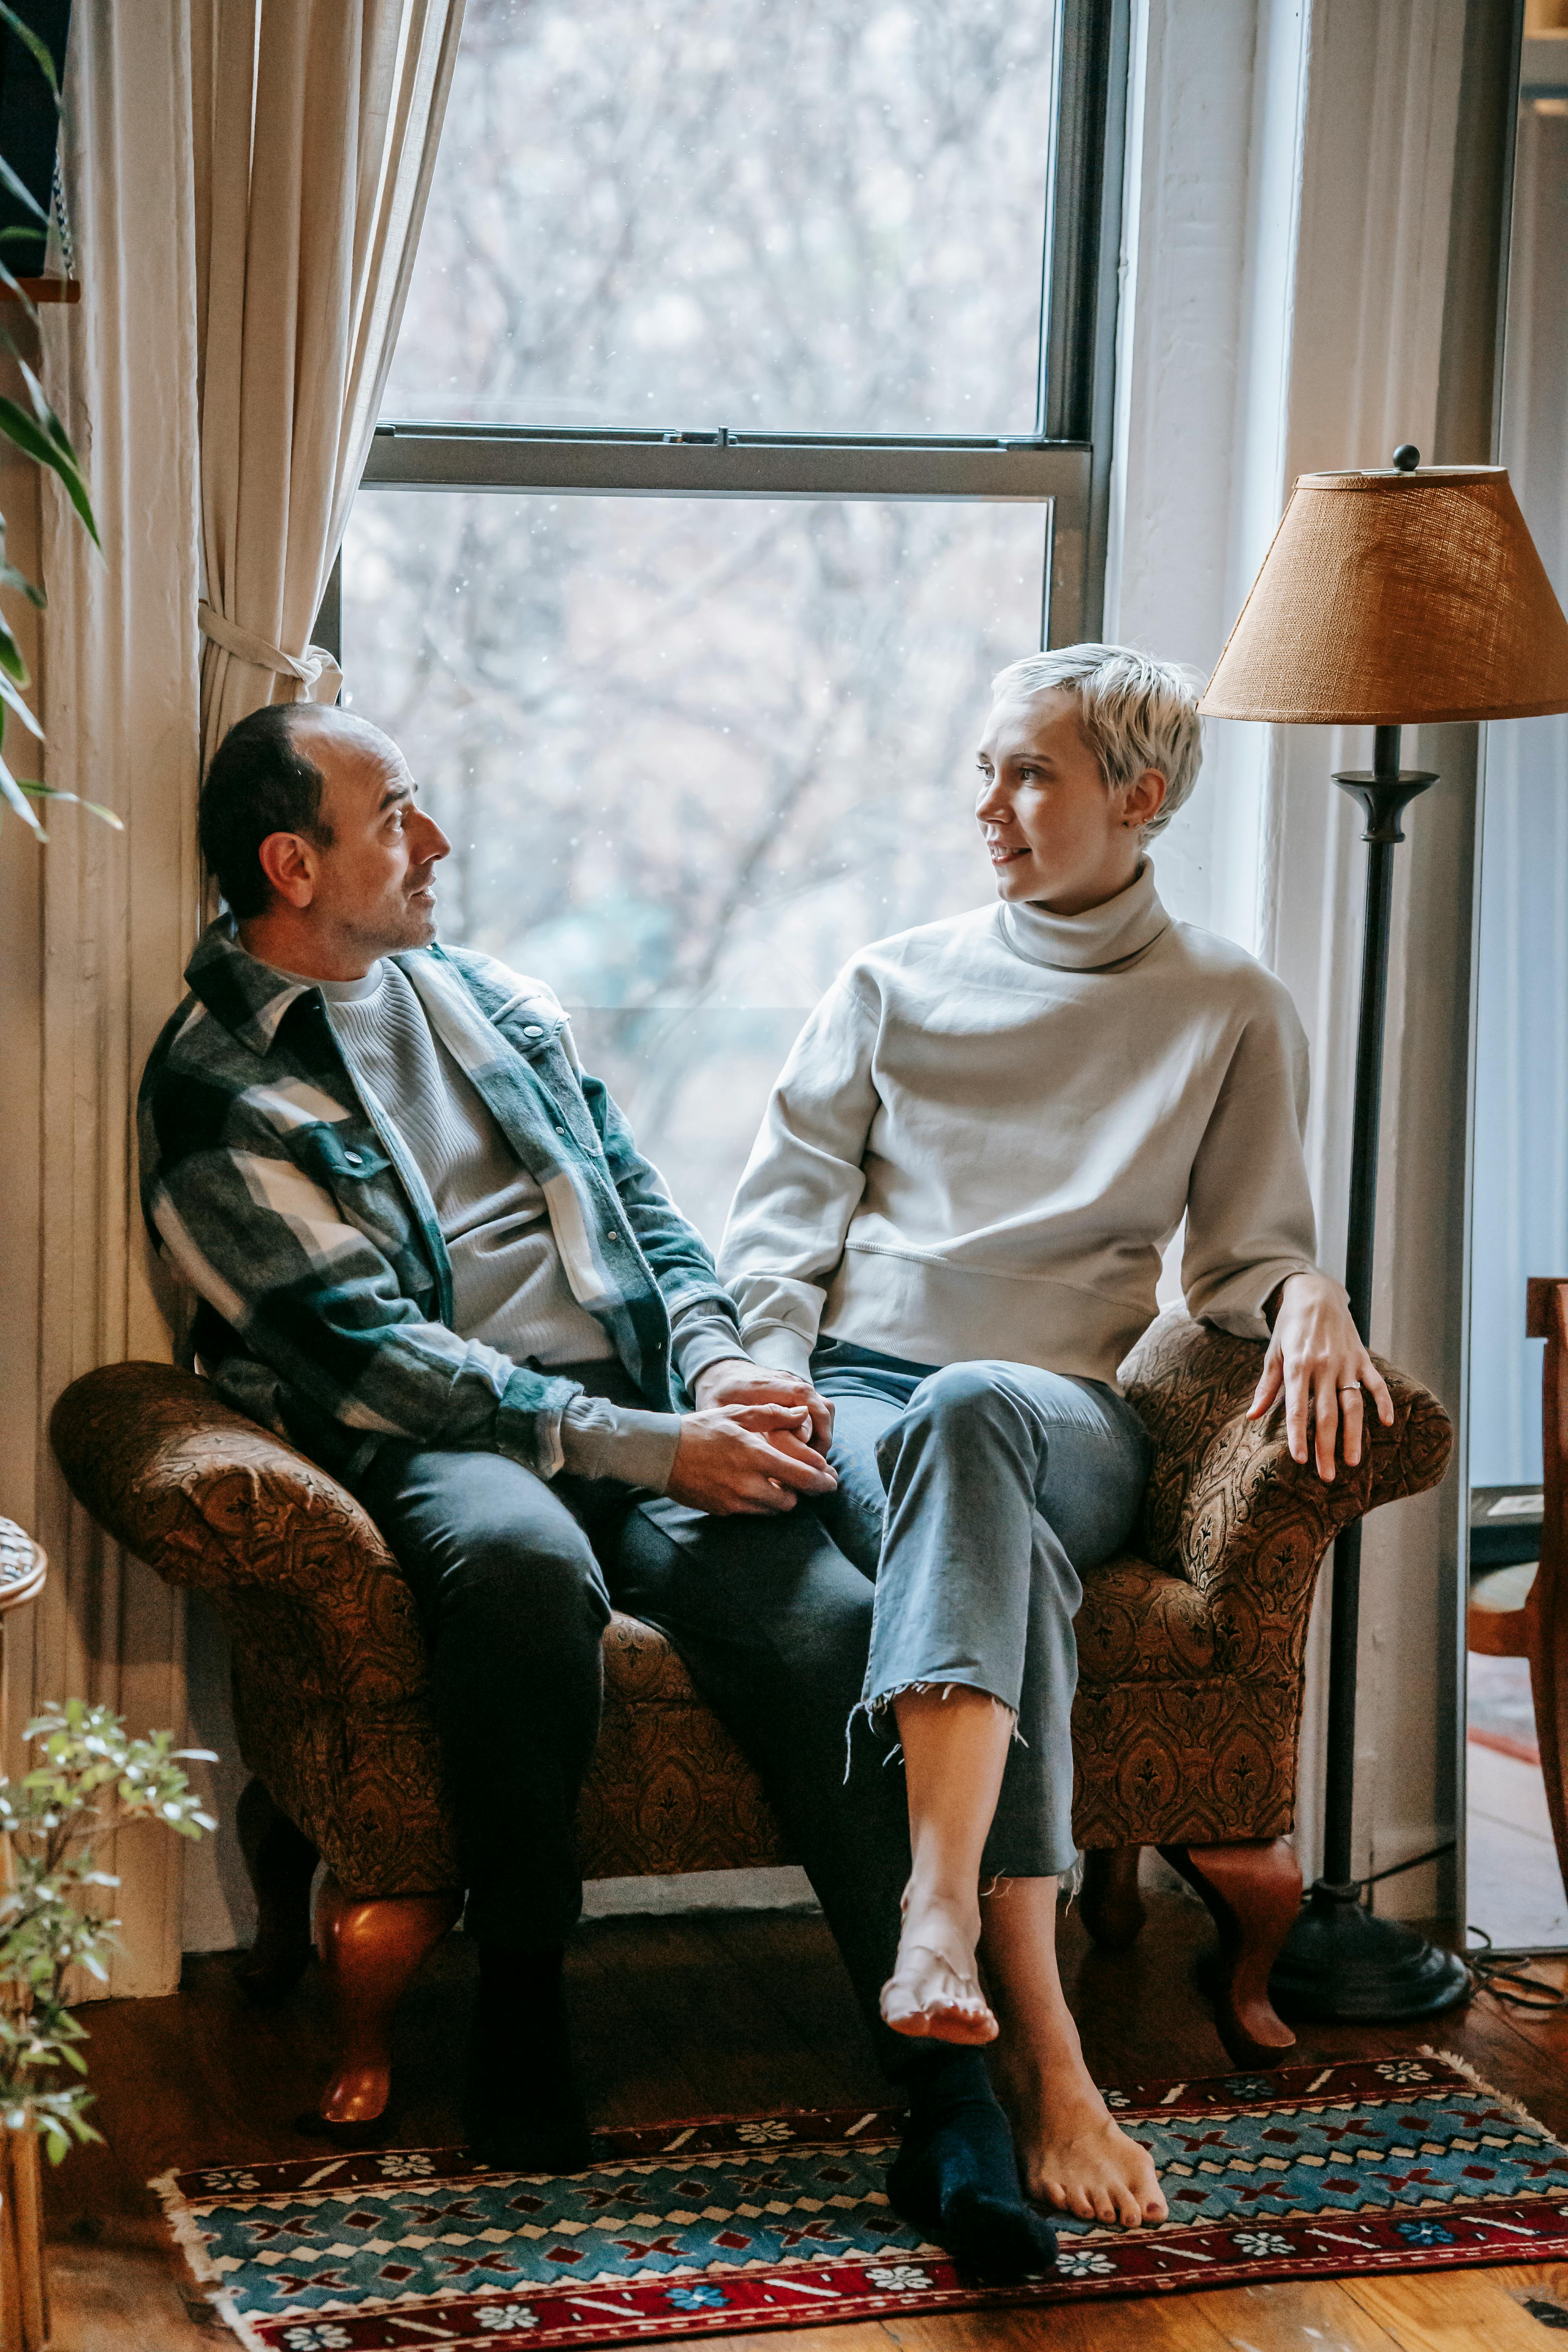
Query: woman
(953,1221)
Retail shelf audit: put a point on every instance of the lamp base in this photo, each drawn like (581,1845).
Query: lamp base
(1340,1961)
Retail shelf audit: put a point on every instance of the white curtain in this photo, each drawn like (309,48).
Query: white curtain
(316,125)
(247,179)
(115,912)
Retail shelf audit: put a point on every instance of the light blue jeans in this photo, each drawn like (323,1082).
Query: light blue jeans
(975,1495)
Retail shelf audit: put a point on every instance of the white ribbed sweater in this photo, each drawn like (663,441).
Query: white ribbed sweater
(990,1128)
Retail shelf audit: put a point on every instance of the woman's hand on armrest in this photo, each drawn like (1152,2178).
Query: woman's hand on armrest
(1315,1357)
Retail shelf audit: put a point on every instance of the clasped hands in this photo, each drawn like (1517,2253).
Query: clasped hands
(1317,1359)
(757,1440)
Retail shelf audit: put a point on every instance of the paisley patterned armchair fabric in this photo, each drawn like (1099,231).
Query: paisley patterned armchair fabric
(1190,1653)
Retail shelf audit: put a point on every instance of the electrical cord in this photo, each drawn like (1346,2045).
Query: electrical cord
(1397,1869)
(1499,1973)
(1493,1970)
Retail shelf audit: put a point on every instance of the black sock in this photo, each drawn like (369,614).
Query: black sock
(521,2105)
(956,2177)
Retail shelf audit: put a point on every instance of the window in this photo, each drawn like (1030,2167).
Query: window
(747,416)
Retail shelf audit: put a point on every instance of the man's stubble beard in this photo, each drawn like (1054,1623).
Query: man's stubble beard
(414,927)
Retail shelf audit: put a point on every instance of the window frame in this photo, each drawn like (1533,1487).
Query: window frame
(1063,465)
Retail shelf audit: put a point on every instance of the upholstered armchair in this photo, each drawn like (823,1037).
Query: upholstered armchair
(1185,1726)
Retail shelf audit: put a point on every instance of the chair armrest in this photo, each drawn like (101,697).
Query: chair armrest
(202,1494)
(210,1499)
(329,1666)
(1224,1501)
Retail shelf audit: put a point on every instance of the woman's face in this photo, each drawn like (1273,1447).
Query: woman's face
(1055,833)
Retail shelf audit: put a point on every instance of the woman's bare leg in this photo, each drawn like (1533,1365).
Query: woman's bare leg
(1070,2153)
(955,1745)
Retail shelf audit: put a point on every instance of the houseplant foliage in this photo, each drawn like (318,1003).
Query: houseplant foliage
(91,1779)
(39,433)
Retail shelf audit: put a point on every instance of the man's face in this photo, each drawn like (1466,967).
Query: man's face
(1054,830)
(370,890)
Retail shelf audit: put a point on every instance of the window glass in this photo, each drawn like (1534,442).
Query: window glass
(808,217)
(689,753)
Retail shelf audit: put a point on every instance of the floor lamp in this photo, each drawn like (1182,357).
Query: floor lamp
(1388,599)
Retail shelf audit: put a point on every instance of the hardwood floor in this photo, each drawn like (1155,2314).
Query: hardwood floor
(724,2013)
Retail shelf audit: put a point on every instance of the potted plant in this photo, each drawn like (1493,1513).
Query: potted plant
(90,1780)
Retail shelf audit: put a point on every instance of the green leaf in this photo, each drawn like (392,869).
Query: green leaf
(93,808)
(13,701)
(19,427)
(47,445)
(12,791)
(19,291)
(9,575)
(36,48)
(42,413)
(11,660)
(23,193)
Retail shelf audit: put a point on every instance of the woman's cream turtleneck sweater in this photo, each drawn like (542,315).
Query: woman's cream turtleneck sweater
(990,1128)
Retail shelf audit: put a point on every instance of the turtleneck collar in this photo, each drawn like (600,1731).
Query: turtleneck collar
(1101,936)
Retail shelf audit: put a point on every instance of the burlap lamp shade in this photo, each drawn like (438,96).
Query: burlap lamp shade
(1391,599)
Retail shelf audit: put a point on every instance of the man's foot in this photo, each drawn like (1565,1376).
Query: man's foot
(521,2105)
(934,1990)
(1071,2155)
(955,2178)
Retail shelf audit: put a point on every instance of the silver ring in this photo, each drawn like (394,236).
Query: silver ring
(1350,1388)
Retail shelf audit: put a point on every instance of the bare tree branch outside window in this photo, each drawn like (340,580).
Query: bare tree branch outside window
(690,752)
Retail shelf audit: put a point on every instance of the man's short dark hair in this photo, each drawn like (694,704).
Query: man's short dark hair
(260,781)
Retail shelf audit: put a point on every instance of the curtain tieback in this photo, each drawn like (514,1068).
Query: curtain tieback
(315,668)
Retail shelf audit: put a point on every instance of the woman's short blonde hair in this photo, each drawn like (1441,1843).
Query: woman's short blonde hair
(1135,713)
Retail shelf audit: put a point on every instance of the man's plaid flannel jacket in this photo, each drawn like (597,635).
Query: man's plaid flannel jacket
(291,1205)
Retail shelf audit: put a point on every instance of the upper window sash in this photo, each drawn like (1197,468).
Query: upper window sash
(646,464)
(1065,463)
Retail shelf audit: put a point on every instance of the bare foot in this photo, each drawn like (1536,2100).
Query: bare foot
(933,1991)
(1071,2155)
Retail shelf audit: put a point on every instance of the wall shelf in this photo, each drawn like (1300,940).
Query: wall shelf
(44,289)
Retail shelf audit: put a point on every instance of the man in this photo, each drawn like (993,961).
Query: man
(428,1253)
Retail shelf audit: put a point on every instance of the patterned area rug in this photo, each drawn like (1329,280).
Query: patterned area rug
(783,2220)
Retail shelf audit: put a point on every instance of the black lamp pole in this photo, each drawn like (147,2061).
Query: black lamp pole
(1338,1960)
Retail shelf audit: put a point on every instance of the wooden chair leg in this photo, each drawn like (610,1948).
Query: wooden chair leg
(371,1953)
(1109,1899)
(1545,1611)
(1253,1891)
(281,1862)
